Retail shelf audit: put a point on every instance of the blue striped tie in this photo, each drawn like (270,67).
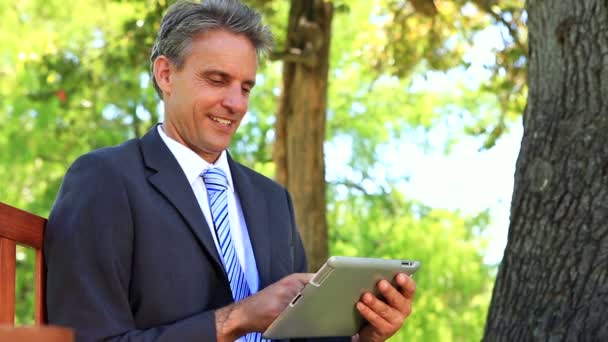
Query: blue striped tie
(217,185)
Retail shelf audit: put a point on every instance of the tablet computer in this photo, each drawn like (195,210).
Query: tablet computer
(326,305)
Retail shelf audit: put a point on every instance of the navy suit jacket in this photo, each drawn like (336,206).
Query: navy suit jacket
(129,254)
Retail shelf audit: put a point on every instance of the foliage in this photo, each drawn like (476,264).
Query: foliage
(71,83)
(374,64)
(53,106)
(454,286)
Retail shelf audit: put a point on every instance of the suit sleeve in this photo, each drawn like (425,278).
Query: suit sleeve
(88,252)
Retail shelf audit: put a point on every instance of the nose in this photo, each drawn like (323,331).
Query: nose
(236,100)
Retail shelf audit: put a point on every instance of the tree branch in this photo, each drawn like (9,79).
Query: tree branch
(485,6)
(350,185)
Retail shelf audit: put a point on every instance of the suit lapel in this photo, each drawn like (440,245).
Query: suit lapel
(168,178)
(255,211)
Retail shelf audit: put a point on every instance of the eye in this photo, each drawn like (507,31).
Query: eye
(215,79)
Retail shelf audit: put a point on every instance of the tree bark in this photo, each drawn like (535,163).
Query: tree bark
(300,125)
(553,282)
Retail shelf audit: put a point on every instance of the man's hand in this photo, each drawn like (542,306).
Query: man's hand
(386,317)
(256,312)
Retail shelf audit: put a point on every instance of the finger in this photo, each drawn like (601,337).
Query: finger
(392,296)
(288,287)
(387,312)
(301,278)
(406,284)
(382,326)
(305,277)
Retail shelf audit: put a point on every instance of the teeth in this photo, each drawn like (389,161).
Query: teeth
(222,121)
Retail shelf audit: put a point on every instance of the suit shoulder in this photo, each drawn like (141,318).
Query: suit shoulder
(118,156)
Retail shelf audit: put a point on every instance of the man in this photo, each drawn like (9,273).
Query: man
(166,238)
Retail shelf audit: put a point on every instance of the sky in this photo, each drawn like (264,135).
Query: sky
(467,179)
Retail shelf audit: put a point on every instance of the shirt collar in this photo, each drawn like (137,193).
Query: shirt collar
(191,163)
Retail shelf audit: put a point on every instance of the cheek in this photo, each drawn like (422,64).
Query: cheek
(209,96)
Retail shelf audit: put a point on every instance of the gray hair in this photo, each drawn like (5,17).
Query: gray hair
(184,20)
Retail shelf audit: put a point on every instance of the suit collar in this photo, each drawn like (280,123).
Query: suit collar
(168,178)
(164,177)
(255,211)
(191,163)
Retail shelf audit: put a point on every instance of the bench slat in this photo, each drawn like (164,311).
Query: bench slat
(21,226)
(7,285)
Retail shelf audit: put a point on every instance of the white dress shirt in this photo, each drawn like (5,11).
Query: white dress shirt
(193,166)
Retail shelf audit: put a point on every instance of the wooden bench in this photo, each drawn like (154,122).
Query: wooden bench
(18,227)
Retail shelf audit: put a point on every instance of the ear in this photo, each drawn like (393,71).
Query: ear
(162,73)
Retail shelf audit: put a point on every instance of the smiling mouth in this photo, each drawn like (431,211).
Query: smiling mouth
(224,122)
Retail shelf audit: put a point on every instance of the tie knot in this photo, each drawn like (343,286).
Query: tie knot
(215,179)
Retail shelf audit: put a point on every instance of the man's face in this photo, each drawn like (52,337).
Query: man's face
(207,98)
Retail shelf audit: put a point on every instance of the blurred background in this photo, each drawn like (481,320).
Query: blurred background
(422,127)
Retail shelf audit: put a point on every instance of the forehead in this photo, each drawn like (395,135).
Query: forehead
(223,50)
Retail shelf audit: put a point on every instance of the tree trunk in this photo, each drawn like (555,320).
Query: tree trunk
(300,125)
(553,282)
